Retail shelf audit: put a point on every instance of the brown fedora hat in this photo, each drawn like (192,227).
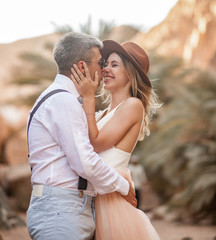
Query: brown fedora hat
(132,52)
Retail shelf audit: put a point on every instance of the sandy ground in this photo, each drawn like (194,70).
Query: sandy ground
(167,231)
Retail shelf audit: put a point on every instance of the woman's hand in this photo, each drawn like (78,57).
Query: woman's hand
(85,85)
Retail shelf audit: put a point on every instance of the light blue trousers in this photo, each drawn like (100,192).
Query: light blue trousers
(60,214)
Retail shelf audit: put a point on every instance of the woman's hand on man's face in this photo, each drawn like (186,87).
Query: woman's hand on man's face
(85,85)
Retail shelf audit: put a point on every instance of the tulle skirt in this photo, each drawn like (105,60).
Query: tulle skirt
(116,219)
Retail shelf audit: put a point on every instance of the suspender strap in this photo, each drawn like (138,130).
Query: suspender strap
(82,184)
(40,102)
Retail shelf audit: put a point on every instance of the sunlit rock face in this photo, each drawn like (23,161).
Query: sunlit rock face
(187,32)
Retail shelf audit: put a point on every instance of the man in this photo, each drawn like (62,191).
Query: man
(60,152)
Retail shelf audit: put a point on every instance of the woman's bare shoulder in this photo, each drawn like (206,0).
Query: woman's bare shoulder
(133,101)
(132,106)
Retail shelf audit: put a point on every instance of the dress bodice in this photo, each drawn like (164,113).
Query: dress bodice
(113,156)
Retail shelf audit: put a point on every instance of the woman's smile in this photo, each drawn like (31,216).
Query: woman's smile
(107,79)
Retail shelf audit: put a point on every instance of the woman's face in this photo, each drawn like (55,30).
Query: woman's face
(115,76)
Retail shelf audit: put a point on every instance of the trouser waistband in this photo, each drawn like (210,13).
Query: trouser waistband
(41,190)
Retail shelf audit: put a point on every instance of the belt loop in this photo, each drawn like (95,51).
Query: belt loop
(80,194)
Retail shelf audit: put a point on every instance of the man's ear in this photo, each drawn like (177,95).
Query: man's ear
(81,67)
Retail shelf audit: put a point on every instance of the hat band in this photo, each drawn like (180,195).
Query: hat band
(135,59)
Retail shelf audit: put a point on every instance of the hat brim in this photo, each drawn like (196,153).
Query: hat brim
(112,46)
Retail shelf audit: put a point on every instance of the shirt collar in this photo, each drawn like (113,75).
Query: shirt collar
(67,84)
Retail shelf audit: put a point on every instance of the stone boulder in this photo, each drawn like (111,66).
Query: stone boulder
(16,148)
(16,182)
(8,218)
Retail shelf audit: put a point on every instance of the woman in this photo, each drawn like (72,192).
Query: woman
(116,130)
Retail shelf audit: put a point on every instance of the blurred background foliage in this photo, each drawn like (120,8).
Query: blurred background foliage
(180,154)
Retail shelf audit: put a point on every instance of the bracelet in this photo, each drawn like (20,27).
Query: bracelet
(90,113)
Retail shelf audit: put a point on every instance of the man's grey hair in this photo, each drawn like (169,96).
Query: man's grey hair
(72,48)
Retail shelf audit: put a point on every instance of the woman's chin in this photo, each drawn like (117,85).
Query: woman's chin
(106,87)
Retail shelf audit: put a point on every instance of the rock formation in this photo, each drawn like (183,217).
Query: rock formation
(187,32)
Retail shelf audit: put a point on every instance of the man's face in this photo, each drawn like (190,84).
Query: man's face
(94,64)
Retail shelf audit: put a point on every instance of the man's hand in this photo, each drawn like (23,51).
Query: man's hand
(131,196)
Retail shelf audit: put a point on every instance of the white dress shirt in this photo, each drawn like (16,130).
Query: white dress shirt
(59,146)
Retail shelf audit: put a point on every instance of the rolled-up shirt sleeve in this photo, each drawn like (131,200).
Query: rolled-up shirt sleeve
(69,128)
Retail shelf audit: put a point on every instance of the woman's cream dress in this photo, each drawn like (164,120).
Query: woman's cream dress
(116,219)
